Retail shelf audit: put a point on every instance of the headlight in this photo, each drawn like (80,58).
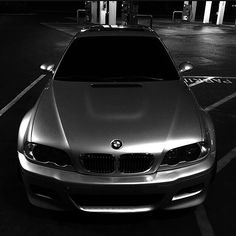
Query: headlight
(186,153)
(46,155)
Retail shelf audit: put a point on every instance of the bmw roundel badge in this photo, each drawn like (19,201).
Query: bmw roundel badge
(116,144)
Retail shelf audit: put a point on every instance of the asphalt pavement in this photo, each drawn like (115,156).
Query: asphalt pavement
(28,41)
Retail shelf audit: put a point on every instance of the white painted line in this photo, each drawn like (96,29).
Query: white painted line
(203,221)
(200,212)
(205,77)
(20,95)
(220,102)
(201,81)
(226,159)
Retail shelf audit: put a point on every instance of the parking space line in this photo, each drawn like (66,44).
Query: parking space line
(205,77)
(225,160)
(203,221)
(200,212)
(20,95)
(201,81)
(220,102)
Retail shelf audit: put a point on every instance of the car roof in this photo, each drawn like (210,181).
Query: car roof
(115,30)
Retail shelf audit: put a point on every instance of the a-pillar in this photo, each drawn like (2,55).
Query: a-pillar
(207,12)
(221,12)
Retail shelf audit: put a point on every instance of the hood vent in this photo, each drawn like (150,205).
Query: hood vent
(115,85)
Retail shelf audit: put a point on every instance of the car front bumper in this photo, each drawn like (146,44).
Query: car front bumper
(66,190)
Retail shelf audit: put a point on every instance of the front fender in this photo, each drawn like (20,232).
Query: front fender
(24,133)
(209,128)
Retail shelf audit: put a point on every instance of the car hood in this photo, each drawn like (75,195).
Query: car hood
(147,117)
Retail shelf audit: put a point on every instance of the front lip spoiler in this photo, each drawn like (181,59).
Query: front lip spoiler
(115,209)
(159,177)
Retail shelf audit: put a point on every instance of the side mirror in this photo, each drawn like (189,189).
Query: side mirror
(48,67)
(185,66)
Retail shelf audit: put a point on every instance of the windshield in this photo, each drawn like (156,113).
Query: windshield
(116,58)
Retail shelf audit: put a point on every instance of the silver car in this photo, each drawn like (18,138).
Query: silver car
(116,129)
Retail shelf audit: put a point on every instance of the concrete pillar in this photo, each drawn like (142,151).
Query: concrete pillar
(194,8)
(103,10)
(94,7)
(112,12)
(234,8)
(207,12)
(221,12)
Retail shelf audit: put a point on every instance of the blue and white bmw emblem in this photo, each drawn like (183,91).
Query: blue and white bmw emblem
(116,144)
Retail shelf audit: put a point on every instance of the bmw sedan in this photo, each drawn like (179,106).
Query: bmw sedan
(116,129)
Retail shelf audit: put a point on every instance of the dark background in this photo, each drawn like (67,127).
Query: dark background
(160,9)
